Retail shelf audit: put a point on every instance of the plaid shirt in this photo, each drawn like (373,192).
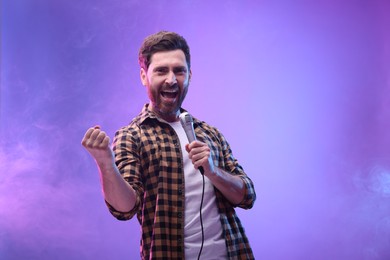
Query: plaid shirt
(149,157)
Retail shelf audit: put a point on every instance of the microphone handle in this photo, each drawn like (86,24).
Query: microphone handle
(191,137)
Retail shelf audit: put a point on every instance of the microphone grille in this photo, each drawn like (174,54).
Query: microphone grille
(186,118)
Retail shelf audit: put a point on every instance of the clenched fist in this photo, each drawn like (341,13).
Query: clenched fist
(97,144)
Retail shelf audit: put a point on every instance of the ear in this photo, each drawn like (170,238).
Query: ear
(143,77)
(190,75)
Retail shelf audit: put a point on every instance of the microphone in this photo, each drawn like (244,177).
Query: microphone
(188,124)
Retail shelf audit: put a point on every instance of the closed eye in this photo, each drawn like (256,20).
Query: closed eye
(161,70)
(180,70)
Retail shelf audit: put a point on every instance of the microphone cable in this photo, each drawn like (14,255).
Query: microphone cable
(201,219)
(187,123)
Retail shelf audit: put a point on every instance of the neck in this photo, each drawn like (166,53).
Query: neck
(168,117)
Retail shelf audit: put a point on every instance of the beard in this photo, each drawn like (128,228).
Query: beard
(167,107)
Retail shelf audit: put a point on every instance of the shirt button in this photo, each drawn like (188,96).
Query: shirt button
(179,214)
(180,191)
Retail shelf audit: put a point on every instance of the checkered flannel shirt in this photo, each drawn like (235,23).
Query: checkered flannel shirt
(149,157)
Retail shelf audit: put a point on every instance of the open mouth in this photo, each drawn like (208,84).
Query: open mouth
(169,94)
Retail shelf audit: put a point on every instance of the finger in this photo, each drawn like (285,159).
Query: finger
(192,145)
(100,137)
(197,144)
(87,135)
(106,141)
(89,132)
(102,141)
(94,134)
(200,162)
(199,157)
(198,150)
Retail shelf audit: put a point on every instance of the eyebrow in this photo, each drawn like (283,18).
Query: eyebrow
(166,67)
(160,67)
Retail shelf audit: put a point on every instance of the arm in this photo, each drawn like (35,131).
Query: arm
(117,192)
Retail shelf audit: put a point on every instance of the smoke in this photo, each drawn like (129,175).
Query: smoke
(40,199)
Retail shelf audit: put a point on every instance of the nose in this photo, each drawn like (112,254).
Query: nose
(171,79)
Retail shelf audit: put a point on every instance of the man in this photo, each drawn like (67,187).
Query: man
(153,170)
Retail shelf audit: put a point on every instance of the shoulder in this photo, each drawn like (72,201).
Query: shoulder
(211,131)
(128,132)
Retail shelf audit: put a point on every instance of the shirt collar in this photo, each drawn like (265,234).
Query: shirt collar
(147,113)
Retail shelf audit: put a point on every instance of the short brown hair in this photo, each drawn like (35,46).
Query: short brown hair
(162,41)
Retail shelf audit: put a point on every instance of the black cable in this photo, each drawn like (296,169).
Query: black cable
(201,219)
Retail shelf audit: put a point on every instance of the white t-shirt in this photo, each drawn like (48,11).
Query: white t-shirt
(214,246)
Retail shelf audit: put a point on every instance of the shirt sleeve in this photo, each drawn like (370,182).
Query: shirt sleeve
(119,214)
(232,166)
(125,147)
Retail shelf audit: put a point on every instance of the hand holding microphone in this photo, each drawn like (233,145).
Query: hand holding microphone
(188,124)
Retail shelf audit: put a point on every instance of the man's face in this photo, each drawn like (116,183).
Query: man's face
(167,80)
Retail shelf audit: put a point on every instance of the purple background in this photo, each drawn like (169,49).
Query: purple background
(301,90)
